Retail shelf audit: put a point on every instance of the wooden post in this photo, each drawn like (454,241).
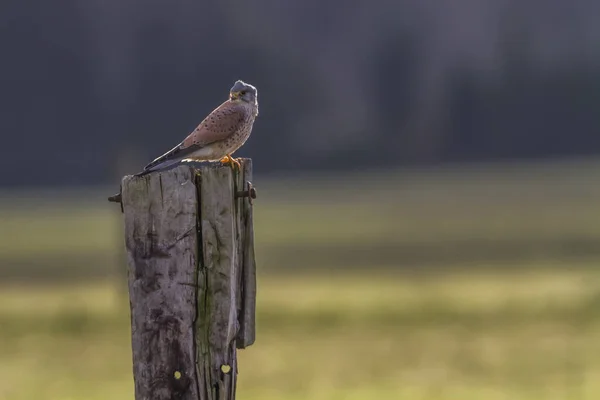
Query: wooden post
(192,278)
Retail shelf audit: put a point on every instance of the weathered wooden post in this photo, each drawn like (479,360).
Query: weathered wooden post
(192,281)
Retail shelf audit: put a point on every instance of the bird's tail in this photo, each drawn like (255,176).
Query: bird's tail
(160,166)
(168,159)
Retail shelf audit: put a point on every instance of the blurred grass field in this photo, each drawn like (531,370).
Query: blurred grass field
(473,336)
(463,283)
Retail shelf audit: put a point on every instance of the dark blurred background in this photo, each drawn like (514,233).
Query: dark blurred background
(381,83)
(427,224)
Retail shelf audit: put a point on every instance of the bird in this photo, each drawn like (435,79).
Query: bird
(219,135)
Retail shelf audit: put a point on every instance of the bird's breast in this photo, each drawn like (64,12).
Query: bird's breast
(236,140)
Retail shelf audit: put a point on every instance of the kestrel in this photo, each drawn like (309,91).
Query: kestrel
(220,134)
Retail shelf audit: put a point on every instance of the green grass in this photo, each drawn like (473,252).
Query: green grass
(347,309)
(498,335)
(450,216)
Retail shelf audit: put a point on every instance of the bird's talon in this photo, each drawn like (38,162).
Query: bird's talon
(232,161)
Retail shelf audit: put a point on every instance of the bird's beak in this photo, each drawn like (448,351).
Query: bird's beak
(235,95)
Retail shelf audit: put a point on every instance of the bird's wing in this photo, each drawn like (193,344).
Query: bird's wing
(217,126)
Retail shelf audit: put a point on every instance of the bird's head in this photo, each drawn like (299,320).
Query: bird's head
(242,91)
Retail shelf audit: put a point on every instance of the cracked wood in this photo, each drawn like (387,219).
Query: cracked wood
(192,279)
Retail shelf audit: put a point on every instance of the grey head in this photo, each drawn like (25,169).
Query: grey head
(244,92)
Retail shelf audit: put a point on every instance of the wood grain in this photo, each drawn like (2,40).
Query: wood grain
(192,282)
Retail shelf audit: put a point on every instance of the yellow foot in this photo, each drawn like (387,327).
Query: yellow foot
(228,160)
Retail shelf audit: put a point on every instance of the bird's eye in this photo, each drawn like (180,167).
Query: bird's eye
(243,92)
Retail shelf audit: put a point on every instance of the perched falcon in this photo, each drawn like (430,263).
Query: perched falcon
(220,134)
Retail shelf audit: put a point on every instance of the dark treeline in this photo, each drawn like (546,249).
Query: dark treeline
(86,86)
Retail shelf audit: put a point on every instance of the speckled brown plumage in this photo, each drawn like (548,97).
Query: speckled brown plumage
(220,134)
